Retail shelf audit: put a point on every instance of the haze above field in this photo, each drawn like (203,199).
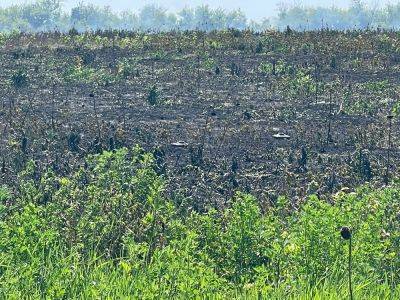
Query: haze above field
(256,9)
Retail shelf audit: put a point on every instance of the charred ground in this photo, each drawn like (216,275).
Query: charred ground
(272,114)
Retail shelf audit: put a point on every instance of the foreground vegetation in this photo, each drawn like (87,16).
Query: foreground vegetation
(108,231)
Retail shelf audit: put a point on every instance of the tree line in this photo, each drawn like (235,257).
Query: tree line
(49,15)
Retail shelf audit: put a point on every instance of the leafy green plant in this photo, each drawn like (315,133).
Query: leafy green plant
(265,67)
(209,63)
(362,106)
(4,194)
(377,86)
(82,74)
(3,39)
(245,237)
(396,109)
(127,68)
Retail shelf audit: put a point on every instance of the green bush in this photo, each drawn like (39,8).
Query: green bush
(78,73)
(127,67)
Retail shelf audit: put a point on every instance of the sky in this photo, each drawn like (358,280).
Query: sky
(254,9)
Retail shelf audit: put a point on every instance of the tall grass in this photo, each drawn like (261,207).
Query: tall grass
(107,231)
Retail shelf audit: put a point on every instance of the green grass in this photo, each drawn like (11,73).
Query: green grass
(108,232)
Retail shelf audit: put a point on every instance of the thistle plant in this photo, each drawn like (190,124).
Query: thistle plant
(345,232)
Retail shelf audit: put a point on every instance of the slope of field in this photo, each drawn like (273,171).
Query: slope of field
(271,114)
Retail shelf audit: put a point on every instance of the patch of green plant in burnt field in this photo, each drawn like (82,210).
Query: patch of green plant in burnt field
(274,113)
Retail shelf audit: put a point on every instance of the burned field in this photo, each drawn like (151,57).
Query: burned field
(270,114)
